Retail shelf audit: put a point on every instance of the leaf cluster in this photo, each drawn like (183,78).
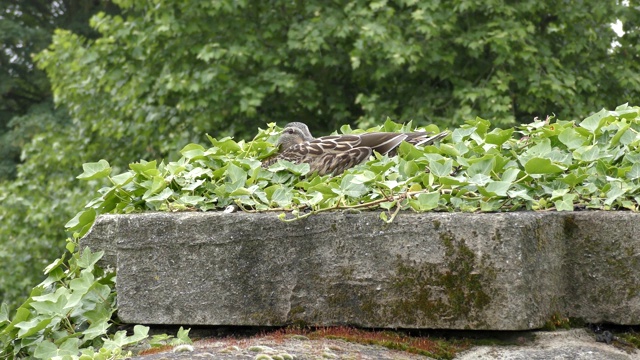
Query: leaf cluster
(68,315)
(195,67)
(543,165)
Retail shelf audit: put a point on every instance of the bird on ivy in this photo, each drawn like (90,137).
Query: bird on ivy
(334,154)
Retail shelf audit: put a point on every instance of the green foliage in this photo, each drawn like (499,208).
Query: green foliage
(40,149)
(68,315)
(176,69)
(26,108)
(182,337)
(542,165)
(161,74)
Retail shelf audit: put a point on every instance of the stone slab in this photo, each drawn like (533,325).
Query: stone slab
(603,265)
(501,271)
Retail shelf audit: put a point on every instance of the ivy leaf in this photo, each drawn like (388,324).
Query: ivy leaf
(350,188)
(634,173)
(566,203)
(595,121)
(482,167)
(161,197)
(96,170)
(122,179)
(96,329)
(83,218)
(617,189)
(425,201)
(193,152)
(182,337)
(571,138)
(498,136)
(191,200)
(28,328)
(541,166)
(145,168)
(48,350)
(282,197)
(88,258)
(297,169)
(572,179)
(498,188)
(120,338)
(441,169)
(4,314)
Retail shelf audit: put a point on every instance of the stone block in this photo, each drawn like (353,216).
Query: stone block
(603,266)
(500,271)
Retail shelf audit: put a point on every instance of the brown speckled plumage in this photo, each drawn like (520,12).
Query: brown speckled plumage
(335,153)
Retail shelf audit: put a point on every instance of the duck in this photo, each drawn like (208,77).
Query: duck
(334,154)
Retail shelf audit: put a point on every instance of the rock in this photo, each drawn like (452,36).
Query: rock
(500,271)
(575,344)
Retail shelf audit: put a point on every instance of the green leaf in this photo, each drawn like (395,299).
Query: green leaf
(144,168)
(191,200)
(590,153)
(572,179)
(88,258)
(595,121)
(634,173)
(566,204)
(193,151)
(120,338)
(615,192)
(282,197)
(96,329)
(182,337)
(157,184)
(498,188)
(482,167)
(441,169)
(161,197)
(498,136)
(4,314)
(350,188)
(426,201)
(122,179)
(571,138)
(236,174)
(541,166)
(28,328)
(81,219)
(47,350)
(96,170)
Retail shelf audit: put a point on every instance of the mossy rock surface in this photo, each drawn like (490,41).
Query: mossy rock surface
(503,271)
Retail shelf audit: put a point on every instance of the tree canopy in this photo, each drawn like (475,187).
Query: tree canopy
(229,66)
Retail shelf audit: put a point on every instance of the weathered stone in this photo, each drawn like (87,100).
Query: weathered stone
(505,271)
(603,265)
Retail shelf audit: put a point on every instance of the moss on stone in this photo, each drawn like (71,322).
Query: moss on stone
(456,291)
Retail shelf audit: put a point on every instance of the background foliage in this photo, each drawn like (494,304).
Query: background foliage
(149,77)
(543,165)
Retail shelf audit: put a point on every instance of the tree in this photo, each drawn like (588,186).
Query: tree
(26,104)
(174,70)
(37,192)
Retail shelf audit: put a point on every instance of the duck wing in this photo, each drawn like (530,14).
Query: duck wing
(382,142)
(424,138)
(328,154)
